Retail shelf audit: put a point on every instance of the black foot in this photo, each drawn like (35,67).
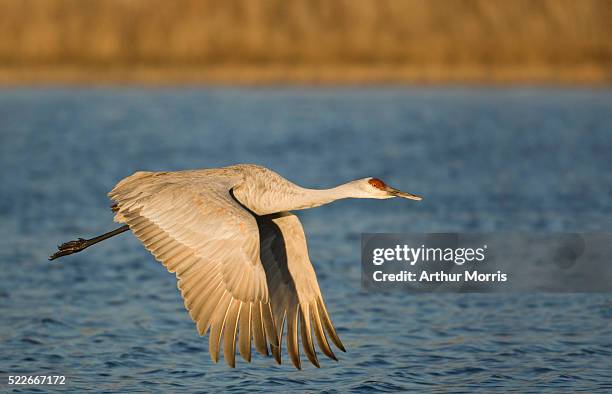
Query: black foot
(70,247)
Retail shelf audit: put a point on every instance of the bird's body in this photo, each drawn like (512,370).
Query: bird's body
(239,254)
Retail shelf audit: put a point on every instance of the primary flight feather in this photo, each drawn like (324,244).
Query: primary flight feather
(239,254)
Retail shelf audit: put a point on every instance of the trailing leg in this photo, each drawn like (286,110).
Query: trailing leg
(77,245)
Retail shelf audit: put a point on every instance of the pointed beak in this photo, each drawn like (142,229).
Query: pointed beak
(398,193)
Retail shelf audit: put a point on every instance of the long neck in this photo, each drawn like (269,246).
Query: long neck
(310,198)
(290,197)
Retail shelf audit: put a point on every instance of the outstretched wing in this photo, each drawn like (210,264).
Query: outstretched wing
(294,290)
(194,227)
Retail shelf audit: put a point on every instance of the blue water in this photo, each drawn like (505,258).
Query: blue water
(111,319)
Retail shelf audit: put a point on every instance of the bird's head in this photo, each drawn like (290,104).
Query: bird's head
(376,188)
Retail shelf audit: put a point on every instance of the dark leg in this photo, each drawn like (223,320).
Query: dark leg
(75,246)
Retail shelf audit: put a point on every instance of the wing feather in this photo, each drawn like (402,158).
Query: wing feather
(203,312)
(319,333)
(190,222)
(329,327)
(229,336)
(294,290)
(271,333)
(245,331)
(259,336)
(306,332)
(292,337)
(216,327)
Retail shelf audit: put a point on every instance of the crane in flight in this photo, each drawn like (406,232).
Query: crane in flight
(239,254)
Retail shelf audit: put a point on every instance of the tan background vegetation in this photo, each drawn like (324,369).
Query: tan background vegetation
(305,40)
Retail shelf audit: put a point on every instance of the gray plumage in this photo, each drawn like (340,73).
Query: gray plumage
(239,254)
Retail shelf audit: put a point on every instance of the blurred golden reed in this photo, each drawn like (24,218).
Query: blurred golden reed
(305,41)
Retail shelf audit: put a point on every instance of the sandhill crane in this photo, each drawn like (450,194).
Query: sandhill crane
(239,254)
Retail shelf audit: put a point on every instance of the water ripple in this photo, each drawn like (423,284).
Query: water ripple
(111,318)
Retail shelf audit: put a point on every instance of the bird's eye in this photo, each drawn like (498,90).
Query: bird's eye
(377,183)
